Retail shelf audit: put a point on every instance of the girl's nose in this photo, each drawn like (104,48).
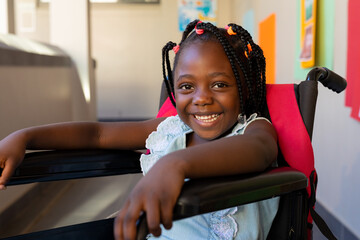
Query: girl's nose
(202,97)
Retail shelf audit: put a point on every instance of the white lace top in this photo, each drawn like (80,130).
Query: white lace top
(251,221)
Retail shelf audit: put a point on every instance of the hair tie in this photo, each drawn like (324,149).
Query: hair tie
(176,48)
(199,31)
(249,49)
(230,31)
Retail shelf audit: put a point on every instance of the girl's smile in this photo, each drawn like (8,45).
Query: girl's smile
(207,118)
(206,93)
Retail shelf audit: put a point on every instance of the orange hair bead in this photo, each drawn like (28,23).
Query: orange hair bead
(230,31)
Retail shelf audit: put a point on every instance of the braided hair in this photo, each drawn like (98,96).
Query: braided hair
(246,59)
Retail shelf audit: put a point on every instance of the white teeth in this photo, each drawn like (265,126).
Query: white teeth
(207,118)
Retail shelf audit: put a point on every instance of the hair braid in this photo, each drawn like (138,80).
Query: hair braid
(257,65)
(242,35)
(258,60)
(261,76)
(166,66)
(188,30)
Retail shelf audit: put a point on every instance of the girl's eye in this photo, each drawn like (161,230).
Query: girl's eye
(186,87)
(219,85)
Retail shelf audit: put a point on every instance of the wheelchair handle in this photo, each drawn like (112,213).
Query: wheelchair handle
(328,78)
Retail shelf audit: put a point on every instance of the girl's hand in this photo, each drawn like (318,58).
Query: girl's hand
(12,151)
(156,194)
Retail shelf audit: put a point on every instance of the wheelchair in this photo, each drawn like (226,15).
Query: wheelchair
(198,196)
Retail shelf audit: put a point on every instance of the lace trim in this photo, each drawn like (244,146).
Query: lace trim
(159,141)
(222,225)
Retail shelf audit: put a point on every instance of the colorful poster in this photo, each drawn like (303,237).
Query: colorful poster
(352,96)
(308,32)
(324,51)
(267,41)
(189,10)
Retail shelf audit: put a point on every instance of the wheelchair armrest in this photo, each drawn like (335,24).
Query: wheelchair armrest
(205,195)
(199,196)
(72,164)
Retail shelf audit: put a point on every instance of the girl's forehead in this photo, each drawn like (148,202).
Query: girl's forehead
(199,50)
(203,57)
(201,44)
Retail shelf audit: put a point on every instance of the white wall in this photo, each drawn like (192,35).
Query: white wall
(70,30)
(127,42)
(42,23)
(39,95)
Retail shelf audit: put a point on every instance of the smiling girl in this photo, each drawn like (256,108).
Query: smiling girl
(217,85)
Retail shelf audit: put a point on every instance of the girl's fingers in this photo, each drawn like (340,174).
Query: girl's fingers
(2,163)
(118,224)
(129,221)
(153,216)
(125,222)
(166,212)
(6,174)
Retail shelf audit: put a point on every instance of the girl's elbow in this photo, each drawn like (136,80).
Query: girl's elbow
(269,153)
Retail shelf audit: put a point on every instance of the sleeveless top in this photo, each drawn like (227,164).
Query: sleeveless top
(250,221)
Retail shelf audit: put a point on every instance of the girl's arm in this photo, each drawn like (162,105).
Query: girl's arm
(158,191)
(253,151)
(72,135)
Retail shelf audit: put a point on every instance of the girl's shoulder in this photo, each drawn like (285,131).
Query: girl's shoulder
(241,126)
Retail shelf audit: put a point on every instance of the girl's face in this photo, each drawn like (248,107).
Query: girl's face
(206,93)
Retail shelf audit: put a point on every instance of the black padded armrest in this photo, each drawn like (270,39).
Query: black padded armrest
(204,195)
(73,164)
